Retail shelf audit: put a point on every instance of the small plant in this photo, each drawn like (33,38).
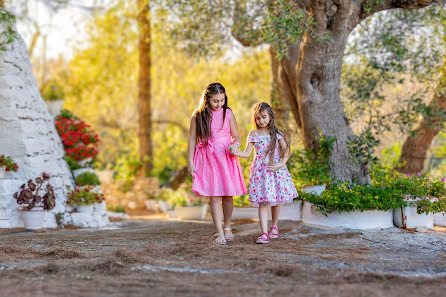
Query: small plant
(310,168)
(59,219)
(87,178)
(117,208)
(30,193)
(85,195)
(72,163)
(8,163)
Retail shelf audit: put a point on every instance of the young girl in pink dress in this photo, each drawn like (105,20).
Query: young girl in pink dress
(270,182)
(215,171)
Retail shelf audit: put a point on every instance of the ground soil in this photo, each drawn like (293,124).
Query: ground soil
(158,257)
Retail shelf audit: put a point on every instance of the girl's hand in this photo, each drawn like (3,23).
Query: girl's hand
(233,148)
(275,167)
(191,169)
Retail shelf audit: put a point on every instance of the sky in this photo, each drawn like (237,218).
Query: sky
(64,28)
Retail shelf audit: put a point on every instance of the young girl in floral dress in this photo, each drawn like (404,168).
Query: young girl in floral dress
(270,182)
(216,173)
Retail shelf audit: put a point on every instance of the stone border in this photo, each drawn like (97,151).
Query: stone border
(368,219)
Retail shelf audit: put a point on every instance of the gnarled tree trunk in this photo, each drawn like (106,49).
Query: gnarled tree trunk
(283,90)
(416,145)
(310,76)
(318,78)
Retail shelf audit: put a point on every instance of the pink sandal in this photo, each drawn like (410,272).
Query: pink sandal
(264,238)
(273,232)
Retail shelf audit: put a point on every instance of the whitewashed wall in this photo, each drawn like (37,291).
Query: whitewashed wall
(28,135)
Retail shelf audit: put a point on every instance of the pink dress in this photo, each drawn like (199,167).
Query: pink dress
(265,186)
(218,172)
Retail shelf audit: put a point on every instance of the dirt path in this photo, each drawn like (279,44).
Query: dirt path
(171,258)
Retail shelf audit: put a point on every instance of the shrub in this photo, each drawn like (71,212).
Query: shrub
(309,168)
(30,197)
(345,197)
(87,178)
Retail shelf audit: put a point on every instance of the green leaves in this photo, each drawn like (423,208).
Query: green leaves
(284,23)
(392,66)
(310,168)
(7,34)
(388,190)
(87,178)
(345,197)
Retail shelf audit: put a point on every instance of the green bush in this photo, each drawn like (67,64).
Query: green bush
(387,191)
(309,168)
(87,178)
(345,197)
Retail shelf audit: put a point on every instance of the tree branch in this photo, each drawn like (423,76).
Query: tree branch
(242,29)
(367,8)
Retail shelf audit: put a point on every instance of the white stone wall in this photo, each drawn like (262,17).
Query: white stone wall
(28,135)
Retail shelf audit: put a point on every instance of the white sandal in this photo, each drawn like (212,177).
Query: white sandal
(229,237)
(221,240)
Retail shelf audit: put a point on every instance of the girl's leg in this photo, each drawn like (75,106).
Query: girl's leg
(217,215)
(263,217)
(275,211)
(228,206)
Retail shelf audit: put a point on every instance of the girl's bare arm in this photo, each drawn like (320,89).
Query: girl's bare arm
(234,132)
(247,152)
(191,147)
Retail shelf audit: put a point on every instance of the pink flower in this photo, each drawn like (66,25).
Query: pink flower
(408,175)
(419,173)
(443,179)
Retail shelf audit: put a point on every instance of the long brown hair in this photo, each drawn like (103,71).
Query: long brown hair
(203,112)
(272,129)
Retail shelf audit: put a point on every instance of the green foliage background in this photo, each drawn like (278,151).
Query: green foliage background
(100,86)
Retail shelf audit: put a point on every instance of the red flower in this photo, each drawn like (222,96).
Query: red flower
(78,139)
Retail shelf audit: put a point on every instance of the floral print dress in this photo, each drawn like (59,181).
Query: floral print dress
(265,186)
